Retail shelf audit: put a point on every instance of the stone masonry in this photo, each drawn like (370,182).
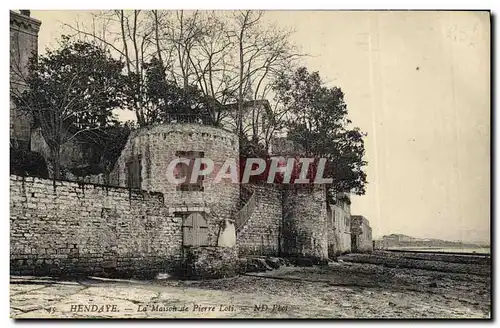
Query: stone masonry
(261,234)
(361,234)
(157,146)
(339,225)
(70,228)
(305,232)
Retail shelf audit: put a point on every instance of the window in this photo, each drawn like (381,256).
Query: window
(194,230)
(134,169)
(184,170)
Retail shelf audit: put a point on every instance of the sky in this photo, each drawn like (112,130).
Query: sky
(418,83)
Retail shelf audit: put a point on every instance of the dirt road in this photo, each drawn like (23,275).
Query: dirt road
(353,288)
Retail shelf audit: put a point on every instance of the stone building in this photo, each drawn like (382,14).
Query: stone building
(267,219)
(201,226)
(143,165)
(339,224)
(361,234)
(136,221)
(305,222)
(142,220)
(23,44)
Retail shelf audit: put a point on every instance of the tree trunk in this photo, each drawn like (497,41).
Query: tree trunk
(239,121)
(56,162)
(107,175)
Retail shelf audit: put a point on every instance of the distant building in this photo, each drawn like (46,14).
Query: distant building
(23,44)
(255,118)
(281,146)
(361,234)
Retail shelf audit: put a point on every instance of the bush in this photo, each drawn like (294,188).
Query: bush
(27,163)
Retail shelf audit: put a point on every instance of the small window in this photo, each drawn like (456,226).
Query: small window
(186,171)
(134,169)
(194,230)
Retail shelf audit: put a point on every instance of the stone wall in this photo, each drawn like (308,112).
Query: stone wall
(261,234)
(70,228)
(157,146)
(361,234)
(305,231)
(339,227)
(209,262)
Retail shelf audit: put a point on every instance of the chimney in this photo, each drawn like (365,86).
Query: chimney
(25,12)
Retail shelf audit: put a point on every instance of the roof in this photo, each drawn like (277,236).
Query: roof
(27,22)
(361,218)
(249,104)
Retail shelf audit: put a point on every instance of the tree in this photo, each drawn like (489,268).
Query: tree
(230,57)
(263,52)
(129,36)
(70,90)
(167,102)
(103,147)
(319,123)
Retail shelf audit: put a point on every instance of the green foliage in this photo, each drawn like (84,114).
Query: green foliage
(164,101)
(27,163)
(319,123)
(103,148)
(70,90)
(251,148)
(76,85)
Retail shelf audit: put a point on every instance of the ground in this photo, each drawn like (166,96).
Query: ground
(379,285)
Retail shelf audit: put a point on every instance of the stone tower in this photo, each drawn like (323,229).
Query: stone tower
(23,44)
(305,229)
